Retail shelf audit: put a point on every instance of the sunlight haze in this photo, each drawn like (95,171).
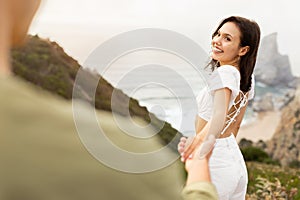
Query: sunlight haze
(80,26)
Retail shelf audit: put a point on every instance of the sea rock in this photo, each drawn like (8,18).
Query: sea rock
(263,104)
(280,101)
(285,144)
(272,68)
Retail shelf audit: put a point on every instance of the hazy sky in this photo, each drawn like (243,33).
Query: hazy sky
(79,26)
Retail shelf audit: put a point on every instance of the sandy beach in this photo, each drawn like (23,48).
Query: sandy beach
(262,128)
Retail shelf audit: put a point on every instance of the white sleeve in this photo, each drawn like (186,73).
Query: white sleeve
(225,76)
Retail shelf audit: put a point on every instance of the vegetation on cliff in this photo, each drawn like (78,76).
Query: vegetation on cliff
(272,182)
(44,63)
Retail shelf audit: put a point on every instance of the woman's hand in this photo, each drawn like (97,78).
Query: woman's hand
(201,154)
(181,145)
(190,145)
(204,147)
(184,143)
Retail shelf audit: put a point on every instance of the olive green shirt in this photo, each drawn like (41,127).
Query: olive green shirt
(200,191)
(42,156)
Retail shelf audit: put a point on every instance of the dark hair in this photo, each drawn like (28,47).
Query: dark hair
(250,36)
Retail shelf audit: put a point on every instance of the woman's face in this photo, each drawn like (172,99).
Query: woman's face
(226,45)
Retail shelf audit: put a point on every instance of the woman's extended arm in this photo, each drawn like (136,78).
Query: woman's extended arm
(215,125)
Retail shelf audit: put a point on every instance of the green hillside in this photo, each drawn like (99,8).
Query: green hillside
(272,182)
(44,63)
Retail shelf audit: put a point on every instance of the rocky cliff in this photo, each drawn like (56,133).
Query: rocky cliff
(285,144)
(281,92)
(273,76)
(272,68)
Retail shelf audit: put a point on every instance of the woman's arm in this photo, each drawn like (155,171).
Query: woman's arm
(199,124)
(217,122)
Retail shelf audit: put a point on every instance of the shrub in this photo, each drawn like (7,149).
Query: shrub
(271,190)
(272,182)
(294,164)
(245,143)
(254,154)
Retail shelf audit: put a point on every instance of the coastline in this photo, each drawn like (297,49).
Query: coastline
(261,128)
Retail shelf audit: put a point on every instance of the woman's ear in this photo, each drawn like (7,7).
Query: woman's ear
(243,50)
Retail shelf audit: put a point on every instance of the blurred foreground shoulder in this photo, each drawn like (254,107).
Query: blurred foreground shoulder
(200,190)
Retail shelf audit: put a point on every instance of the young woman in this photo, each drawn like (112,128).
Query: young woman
(221,105)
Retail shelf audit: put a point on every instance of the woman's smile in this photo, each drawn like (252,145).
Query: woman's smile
(217,50)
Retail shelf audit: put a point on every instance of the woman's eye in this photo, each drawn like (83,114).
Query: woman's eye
(227,38)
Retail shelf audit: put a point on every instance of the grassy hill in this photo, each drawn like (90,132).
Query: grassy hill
(44,63)
(272,182)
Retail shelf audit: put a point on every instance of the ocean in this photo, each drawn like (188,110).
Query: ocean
(168,92)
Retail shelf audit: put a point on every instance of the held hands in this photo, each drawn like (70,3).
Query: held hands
(197,167)
(195,147)
(186,146)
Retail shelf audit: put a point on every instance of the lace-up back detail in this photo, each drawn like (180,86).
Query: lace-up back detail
(231,117)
